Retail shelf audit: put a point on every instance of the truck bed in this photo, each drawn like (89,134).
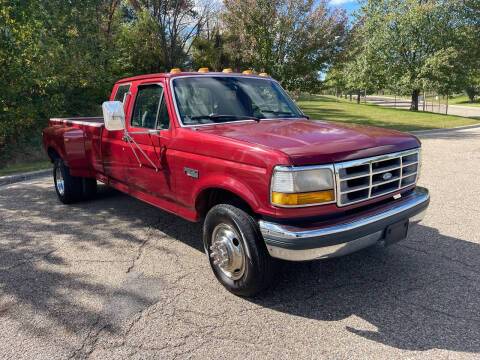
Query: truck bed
(89,121)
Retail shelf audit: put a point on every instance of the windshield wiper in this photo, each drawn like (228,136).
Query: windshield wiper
(290,114)
(287,114)
(277,112)
(225,116)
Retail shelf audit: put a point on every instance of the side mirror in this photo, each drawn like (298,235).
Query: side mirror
(113,115)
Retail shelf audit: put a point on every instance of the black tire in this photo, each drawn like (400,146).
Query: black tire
(258,269)
(72,189)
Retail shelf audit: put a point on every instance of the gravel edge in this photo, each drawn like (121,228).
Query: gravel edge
(10,179)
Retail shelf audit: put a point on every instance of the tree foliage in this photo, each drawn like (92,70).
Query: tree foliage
(54,61)
(293,40)
(60,57)
(412,45)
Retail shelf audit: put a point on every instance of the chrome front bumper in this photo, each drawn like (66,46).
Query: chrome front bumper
(347,235)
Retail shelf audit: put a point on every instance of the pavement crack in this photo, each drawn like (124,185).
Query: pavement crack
(90,341)
(139,252)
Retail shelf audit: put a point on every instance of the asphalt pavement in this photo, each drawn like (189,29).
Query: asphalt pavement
(115,278)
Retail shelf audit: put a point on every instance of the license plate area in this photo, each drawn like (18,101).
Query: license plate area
(396,232)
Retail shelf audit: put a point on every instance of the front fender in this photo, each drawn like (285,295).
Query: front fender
(231,184)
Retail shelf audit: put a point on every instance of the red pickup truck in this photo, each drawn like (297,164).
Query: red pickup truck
(234,151)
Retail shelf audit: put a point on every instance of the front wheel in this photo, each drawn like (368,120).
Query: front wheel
(236,251)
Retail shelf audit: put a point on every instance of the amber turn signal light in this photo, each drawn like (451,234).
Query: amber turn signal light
(307,198)
(203,70)
(227,70)
(175,71)
(247,72)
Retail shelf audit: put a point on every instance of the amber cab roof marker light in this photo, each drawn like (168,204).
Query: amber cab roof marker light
(263,74)
(247,72)
(175,71)
(203,70)
(227,70)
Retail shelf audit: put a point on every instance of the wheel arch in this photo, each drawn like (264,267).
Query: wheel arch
(210,196)
(53,154)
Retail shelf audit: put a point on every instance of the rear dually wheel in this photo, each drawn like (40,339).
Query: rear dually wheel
(70,188)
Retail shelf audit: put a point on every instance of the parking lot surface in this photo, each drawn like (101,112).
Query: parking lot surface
(116,278)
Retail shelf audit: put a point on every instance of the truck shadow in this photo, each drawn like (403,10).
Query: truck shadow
(420,294)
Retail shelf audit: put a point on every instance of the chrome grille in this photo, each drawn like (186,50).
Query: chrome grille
(365,179)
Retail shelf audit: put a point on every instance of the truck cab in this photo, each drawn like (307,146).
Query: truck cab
(234,151)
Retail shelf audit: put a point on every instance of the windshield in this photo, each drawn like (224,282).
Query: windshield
(215,99)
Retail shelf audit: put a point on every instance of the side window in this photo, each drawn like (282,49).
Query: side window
(122,90)
(163,121)
(147,106)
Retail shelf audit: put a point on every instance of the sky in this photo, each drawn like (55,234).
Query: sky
(349,5)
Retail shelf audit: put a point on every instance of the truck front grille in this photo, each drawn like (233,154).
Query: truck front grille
(365,179)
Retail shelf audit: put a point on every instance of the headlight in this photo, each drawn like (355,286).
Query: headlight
(305,186)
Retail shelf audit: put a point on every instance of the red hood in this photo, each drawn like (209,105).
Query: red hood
(316,142)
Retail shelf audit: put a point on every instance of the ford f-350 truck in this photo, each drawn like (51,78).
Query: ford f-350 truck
(234,151)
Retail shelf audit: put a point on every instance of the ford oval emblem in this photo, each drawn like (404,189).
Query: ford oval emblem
(387,176)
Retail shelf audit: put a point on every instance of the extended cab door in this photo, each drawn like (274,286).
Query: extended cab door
(150,130)
(114,149)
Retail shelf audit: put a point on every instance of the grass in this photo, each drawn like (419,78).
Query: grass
(463,100)
(329,108)
(24,167)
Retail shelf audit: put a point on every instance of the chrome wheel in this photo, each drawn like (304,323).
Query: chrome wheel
(227,251)
(59,182)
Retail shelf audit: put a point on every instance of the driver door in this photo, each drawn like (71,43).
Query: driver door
(150,133)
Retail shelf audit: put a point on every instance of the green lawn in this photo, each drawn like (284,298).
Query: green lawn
(24,167)
(463,100)
(329,108)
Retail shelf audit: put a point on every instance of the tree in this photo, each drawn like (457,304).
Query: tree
(472,89)
(443,74)
(54,61)
(471,14)
(335,79)
(174,24)
(361,70)
(210,49)
(294,40)
(404,36)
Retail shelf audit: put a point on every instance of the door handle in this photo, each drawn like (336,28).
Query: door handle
(163,149)
(161,156)
(125,138)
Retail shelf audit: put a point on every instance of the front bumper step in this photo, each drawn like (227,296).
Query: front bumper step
(344,236)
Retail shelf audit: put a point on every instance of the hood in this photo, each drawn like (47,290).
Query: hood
(309,142)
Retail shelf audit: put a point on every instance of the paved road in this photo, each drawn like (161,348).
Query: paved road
(115,278)
(459,110)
